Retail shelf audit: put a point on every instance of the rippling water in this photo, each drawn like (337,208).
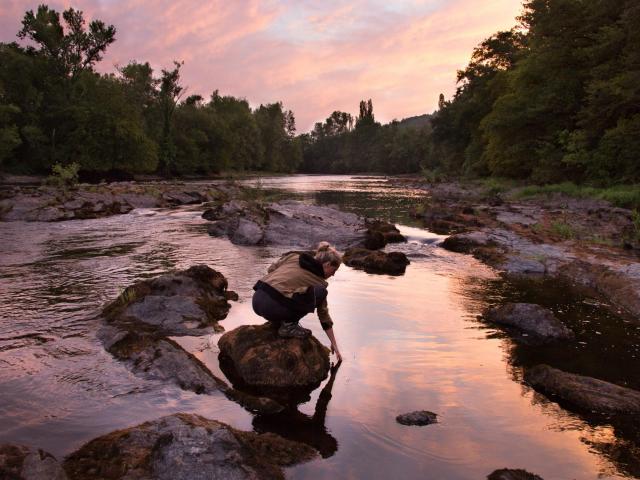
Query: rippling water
(409,343)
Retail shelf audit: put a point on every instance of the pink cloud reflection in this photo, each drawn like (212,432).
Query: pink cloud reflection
(315,58)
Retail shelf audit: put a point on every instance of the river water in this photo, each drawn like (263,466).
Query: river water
(409,343)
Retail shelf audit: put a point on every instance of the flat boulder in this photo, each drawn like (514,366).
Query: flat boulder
(188,302)
(376,261)
(19,462)
(185,447)
(531,319)
(585,393)
(255,356)
(419,417)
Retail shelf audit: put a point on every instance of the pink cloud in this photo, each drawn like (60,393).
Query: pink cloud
(313,59)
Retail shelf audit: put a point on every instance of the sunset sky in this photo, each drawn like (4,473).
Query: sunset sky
(314,56)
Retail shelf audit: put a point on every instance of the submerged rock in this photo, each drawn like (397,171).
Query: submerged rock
(419,417)
(530,318)
(160,359)
(392,263)
(19,462)
(189,302)
(583,392)
(512,474)
(254,356)
(185,447)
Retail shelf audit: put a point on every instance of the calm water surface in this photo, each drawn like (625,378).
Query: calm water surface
(409,343)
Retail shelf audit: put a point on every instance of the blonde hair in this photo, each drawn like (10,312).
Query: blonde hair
(326,253)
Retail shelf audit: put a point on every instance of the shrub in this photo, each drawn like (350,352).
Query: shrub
(64,176)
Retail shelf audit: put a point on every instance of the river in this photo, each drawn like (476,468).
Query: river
(409,343)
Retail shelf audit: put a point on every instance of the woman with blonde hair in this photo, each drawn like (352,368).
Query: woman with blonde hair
(294,286)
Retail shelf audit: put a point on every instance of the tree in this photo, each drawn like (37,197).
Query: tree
(74,51)
(168,97)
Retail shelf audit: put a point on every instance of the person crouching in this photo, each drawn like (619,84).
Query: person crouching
(294,286)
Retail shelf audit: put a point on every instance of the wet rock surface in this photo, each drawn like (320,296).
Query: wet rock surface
(585,393)
(255,356)
(19,462)
(512,474)
(189,302)
(376,261)
(49,204)
(297,224)
(419,417)
(531,319)
(181,447)
(184,303)
(586,241)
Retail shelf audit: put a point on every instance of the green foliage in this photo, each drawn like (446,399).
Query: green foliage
(64,177)
(625,196)
(563,230)
(635,219)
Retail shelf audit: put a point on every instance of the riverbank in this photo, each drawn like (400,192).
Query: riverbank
(586,241)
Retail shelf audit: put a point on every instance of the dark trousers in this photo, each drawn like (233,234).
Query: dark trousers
(276,312)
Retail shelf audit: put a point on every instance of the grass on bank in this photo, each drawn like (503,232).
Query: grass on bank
(625,196)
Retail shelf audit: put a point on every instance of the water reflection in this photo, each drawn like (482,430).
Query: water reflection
(300,427)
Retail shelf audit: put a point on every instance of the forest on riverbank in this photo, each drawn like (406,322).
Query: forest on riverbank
(555,98)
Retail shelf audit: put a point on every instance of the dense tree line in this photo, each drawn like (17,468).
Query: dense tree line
(337,146)
(55,109)
(555,98)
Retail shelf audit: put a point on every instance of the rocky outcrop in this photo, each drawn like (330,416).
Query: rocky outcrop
(585,393)
(419,417)
(512,474)
(19,462)
(531,319)
(286,223)
(48,204)
(185,447)
(376,261)
(189,302)
(255,356)
(184,303)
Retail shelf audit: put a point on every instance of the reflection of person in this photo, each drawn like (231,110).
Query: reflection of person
(294,286)
(295,425)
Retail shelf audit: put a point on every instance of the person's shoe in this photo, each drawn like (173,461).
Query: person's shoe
(293,330)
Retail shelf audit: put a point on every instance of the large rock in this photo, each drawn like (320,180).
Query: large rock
(286,223)
(380,233)
(512,474)
(254,356)
(292,223)
(189,302)
(585,393)
(185,447)
(392,263)
(530,318)
(19,462)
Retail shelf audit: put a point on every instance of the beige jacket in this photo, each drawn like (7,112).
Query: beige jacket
(288,277)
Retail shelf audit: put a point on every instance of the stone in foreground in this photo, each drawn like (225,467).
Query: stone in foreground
(185,447)
(512,474)
(392,263)
(254,355)
(419,417)
(585,393)
(530,318)
(19,462)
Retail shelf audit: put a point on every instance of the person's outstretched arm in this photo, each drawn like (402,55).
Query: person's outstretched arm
(334,344)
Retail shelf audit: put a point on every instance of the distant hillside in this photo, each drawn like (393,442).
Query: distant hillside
(416,122)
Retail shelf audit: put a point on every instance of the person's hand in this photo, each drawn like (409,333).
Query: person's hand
(335,350)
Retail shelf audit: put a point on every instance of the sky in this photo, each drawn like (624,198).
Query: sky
(314,56)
